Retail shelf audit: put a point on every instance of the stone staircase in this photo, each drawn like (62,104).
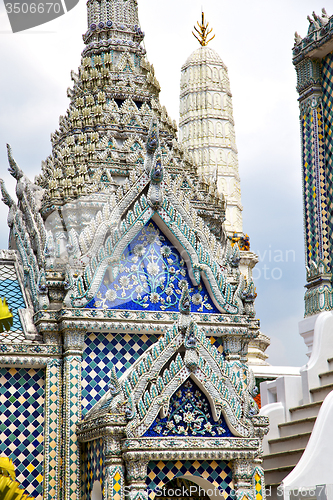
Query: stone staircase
(286,450)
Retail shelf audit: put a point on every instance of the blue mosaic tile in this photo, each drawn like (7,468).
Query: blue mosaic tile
(218,473)
(10,288)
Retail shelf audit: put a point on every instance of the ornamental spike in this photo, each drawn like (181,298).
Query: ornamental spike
(203,32)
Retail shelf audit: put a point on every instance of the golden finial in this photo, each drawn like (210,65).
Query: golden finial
(204,32)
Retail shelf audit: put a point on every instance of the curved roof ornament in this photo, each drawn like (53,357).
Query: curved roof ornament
(153,141)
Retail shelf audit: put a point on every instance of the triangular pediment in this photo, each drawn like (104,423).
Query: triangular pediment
(107,246)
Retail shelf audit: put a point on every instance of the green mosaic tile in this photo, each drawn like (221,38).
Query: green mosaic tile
(327,87)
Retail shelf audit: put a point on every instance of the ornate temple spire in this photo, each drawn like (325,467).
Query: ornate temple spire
(101,140)
(207,125)
(106,13)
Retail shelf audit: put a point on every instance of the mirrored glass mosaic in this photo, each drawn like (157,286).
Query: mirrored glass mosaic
(189,415)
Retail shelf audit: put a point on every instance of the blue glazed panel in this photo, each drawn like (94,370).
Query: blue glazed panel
(150,277)
(101,353)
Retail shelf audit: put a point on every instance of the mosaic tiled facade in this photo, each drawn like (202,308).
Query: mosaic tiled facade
(327,88)
(189,415)
(151,275)
(315,186)
(258,484)
(10,288)
(127,363)
(314,69)
(53,428)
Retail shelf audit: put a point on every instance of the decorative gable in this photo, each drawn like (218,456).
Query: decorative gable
(189,415)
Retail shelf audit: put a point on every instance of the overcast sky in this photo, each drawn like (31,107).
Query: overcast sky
(254,40)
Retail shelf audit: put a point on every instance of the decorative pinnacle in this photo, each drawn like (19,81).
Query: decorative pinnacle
(203,32)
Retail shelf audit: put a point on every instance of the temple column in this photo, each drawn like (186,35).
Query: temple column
(52,430)
(73,348)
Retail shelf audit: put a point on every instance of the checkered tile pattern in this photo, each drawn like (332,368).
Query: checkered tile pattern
(321,173)
(327,87)
(308,182)
(93,468)
(219,474)
(315,188)
(22,425)
(10,288)
(102,351)
(258,486)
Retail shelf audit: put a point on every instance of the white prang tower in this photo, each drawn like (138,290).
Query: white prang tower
(207,126)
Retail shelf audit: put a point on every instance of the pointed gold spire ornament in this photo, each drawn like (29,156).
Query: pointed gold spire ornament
(203,32)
